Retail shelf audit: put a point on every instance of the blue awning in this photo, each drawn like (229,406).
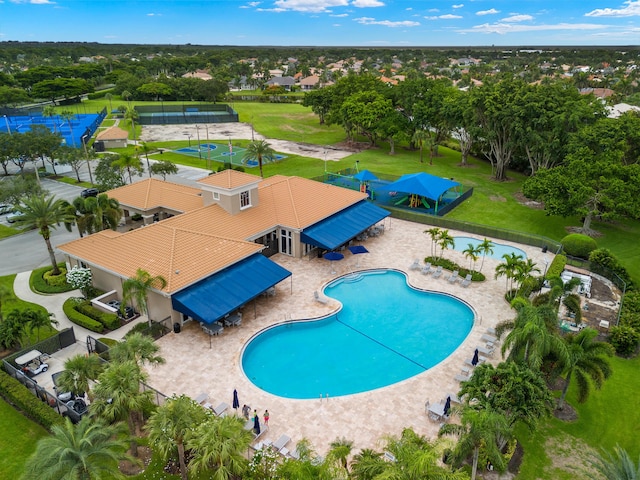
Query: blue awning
(226,291)
(341,227)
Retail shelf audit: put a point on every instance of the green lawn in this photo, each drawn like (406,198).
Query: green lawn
(17,441)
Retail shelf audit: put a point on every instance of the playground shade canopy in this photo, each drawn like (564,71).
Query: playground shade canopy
(341,227)
(421,184)
(220,294)
(365,176)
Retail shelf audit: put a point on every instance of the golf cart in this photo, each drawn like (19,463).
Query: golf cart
(32,363)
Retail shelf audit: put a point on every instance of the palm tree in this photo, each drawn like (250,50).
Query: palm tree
(78,372)
(339,452)
(104,212)
(37,319)
(168,427)
(509,268)
(486,248)
(218,446)
(137,289)
(89,450)
(138,348)
(524,270)
(445,241)
(45,214)
(434,233)
(109,98)
(132,115)
(587,362)
(618,467)
(146,148)
(118,396)
(420,137)
(49,111)
(68,115)
(478,429)
(82,217)
(367,464)
(128,162)
(12,329)
(471,252)
(259,150)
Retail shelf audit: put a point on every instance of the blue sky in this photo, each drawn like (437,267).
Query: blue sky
(325,22)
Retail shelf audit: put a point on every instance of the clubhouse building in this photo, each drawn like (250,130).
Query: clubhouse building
(212,244)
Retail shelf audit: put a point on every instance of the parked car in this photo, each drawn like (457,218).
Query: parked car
(89,192)
(13,216)
(5,209)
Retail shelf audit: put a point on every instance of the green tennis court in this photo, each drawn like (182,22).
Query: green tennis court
(222,154)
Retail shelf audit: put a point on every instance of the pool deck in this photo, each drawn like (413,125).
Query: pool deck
(193,367)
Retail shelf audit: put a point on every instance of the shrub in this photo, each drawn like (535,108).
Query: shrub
(55,280)
(572,302)
(20,397)
(80,278)
(624,339)
(40,285)
(631,302)
(557,266)
(109,320)
(449,265)
(578,245)
(136,217)
(69,308)
(604,258)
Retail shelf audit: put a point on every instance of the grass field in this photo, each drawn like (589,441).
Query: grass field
(17,442)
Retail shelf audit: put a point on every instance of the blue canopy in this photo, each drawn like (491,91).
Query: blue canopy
(421,184)
(341,227)
(365,176)
(223,292)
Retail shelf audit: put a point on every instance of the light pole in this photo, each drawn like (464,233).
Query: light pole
(208,148)
(546,266)
(189,137)
(198,134)
(6,120)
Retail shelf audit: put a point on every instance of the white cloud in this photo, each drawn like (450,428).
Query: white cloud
(460,5)
(386,23)
(367,3)
(491,11)
(517,18)
(254,4)
(408,9)
(34,2)
(154,14)
(433,10)
(314,6)
(447,16)
(504,28)
(339,15)
(632,9)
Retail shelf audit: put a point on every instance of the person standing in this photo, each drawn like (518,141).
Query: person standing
(245,411)
(266,417)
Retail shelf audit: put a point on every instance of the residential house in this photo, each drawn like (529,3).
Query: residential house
(285,82)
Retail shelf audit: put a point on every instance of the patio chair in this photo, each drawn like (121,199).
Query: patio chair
(438,272)
(461,378)
(467,281)
(426,270)
(200,399)
(320,299)
(486,351)
(221,409)
(415,265)
(489,338)
(453,277)
(281,442)
(480,361)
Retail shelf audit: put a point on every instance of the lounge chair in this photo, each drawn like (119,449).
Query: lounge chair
(281,442)
(220,409)
(438,272)
(415,265)
(467,281)
(426,270)
(491,330)
(200,399)
(461,378)
(489,338)
(453,277)
(480,361)
(486,351)
(319,299)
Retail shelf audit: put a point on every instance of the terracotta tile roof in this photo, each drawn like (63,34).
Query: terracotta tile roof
(113,133)
(181,256)
(152,193)
(230,179)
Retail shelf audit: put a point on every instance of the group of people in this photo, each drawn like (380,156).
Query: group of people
(246,409)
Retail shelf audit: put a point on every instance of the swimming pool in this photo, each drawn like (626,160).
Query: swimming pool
(385,332)
(499,249)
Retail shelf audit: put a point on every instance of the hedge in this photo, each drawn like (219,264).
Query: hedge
(449,265)
(69,308)
(578,245)
(109,320)
(16,394)
(40,285)
(557,266)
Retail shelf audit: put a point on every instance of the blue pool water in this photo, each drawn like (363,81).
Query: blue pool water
(385,332)
(499,249)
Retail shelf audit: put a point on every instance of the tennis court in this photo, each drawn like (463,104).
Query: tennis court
(223,154)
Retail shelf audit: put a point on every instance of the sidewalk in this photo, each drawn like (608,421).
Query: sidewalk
(53,303)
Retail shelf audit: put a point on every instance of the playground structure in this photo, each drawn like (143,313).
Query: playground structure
(74,132)
(419,192)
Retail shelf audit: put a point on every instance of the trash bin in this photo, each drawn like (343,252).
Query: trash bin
(176,328)
(544,249)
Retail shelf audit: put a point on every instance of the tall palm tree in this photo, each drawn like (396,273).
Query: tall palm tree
(486,248)
(44,213)
(339,453)
(81,216)
(508,268)
(89,450)
(445,241)
(259,150)
(104,212)
(218,446)
(109,98)
(587,362)
(524,269)
(78,372)
(367,464)
(434,233)
(138,348)
(129,162)
(137,289)
(118,396)
(478,429)
(132,115)
(68,115)
(37,319)
(169,424)
(146,148)
(49,112)
(420,137)
(472,253)
(618,467)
